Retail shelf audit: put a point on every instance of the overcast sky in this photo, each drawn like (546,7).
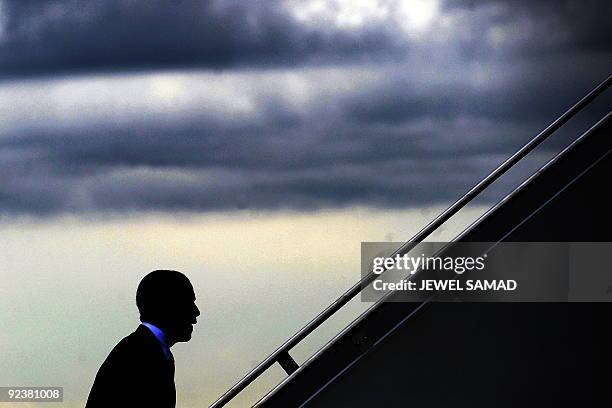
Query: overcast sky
(290,130)
(130,106)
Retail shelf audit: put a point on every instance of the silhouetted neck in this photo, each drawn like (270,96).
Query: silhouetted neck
(161,338)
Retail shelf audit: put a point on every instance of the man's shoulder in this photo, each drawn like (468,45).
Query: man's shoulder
(134,363)
(138,346)
(138,338)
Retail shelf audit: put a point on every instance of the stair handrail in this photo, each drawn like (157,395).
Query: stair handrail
(281,354)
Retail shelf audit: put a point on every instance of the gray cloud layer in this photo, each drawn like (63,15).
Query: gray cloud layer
(419,126)
(58,36)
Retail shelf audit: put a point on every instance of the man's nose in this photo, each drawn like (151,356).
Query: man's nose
(197,311)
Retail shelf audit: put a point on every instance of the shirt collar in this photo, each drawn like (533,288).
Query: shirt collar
(160,336)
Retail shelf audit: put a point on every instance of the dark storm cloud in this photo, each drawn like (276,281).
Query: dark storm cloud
(392,184)
(531,92)
(386,121)
(59,36)
(550,25)
(419,131)
(267,161)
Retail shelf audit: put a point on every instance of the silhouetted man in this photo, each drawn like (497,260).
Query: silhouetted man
(139,371)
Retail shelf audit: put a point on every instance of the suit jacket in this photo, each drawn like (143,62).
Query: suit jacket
(135,374)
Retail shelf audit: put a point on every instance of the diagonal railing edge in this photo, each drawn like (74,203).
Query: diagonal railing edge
(281,354)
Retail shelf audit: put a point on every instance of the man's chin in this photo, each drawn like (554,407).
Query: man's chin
(185,335)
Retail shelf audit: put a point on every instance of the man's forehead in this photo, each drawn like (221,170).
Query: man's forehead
(191,292)
(183,287)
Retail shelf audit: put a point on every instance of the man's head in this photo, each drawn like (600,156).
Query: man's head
(166,299)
